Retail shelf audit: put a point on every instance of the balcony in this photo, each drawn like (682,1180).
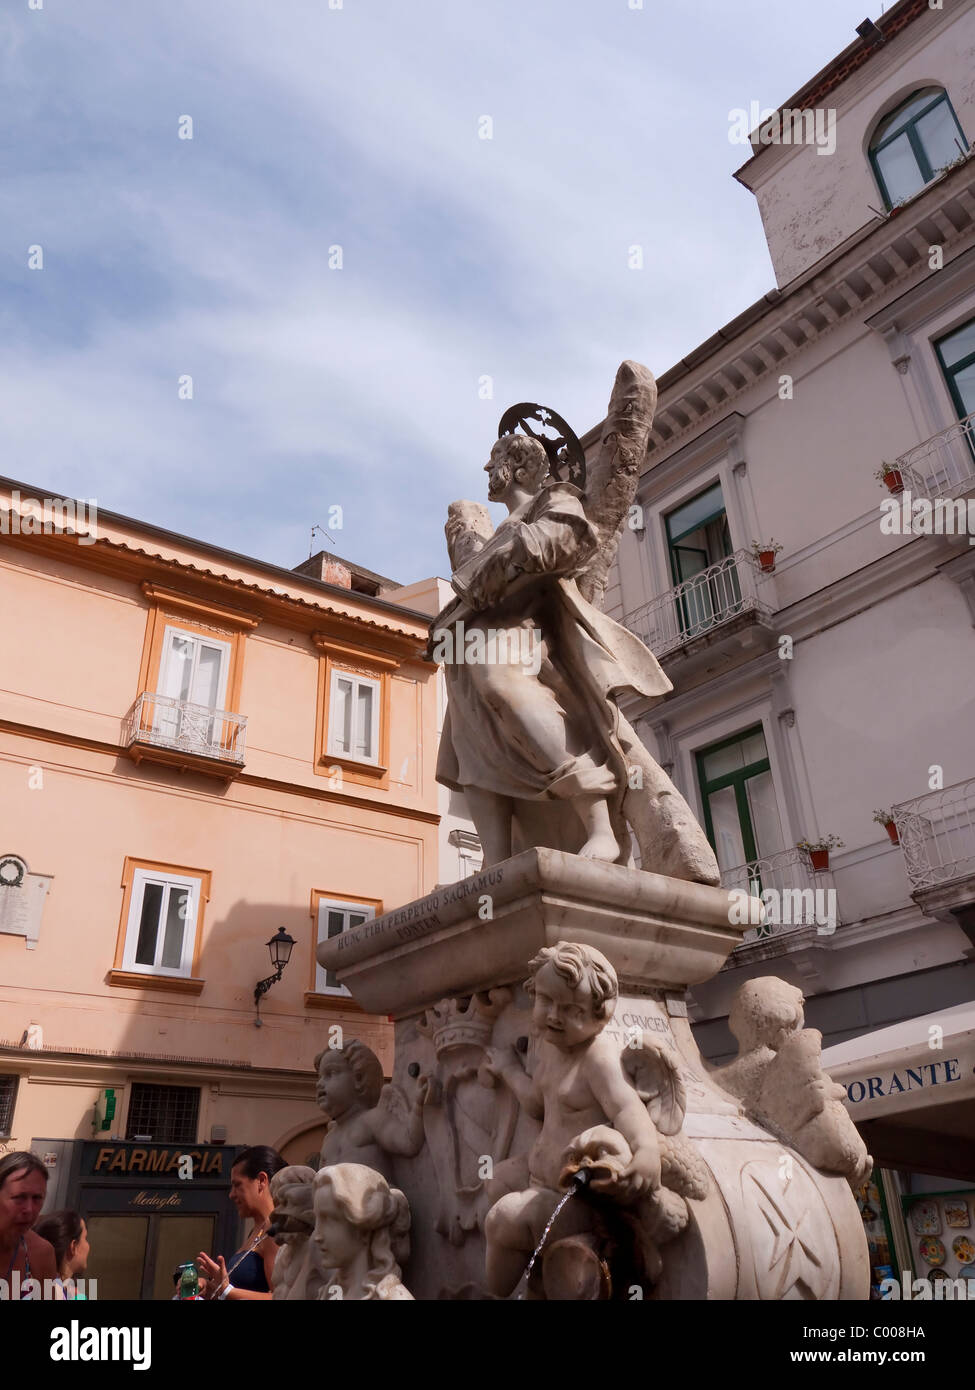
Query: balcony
(944,465)
(796,896)
(193,738)
(937,836)
(709,619)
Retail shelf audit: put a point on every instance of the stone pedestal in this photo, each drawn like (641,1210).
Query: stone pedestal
(449,969)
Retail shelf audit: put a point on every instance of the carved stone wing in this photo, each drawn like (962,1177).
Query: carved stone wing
(652,1068)
(613,474)
(394,1103)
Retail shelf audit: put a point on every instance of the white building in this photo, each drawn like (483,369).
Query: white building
(844,681)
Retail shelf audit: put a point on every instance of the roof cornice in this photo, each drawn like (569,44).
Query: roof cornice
(887,259)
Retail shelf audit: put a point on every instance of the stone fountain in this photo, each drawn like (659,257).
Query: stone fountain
(543,1054)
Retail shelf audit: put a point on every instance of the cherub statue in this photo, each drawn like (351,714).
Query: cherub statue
(763,1013)
(779,1077)
(579,1087)
(361,1234)
(368,1122)
(544,756)
(294,1215)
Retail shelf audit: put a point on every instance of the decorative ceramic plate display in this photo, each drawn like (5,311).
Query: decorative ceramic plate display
(932,1250)
(964,1249)
(926,1218)
(967,1272)
(937,1275)
(957,1213)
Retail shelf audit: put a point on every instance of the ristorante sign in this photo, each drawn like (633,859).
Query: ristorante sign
(166,1163)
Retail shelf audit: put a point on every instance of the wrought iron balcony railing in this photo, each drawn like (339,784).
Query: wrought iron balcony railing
(944,465)
(796,897)
(163,722)
(701,604)
(937,835)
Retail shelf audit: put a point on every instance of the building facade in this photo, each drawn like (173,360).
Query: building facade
(834,676)
(196,750)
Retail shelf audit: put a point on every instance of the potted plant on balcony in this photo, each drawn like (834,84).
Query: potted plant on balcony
(885,819)
(765,553)
(818,851)
(891,477)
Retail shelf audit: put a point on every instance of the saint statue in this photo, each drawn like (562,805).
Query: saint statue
(533,735)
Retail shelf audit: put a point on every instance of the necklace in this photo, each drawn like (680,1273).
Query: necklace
(252,1245)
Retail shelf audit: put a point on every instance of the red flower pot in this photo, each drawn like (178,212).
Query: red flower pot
(892,832)
(894,480)
(819,859)
(766,558)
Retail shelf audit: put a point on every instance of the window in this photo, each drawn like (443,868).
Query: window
(353,717)
(161,926)
(8,1099)
(167,1114)
(914,143)
(956,353)
(740,812)
(698,538)
(162,919)
(192,680)
(334,916)
(352,726)
(192,664)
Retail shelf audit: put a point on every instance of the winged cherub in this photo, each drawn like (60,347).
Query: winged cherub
(533,735)
(617,1114)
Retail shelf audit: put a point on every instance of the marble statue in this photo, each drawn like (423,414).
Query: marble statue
(560,1136)
(778,1075)
(368,1122)
(294,1274)
(361,1234)
(533,735)
(581,1084)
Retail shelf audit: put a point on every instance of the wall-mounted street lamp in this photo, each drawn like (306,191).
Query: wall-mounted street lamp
(280,947)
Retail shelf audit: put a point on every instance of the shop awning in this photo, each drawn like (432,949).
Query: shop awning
(910,1089)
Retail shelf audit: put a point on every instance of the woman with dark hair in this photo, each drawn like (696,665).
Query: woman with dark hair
(67,1233)
(23,1254)
(252,1265)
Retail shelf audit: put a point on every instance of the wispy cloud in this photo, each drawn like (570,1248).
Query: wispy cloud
(462,257)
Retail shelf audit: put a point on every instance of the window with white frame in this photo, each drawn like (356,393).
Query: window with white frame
(335,917)
(161,930)
(192,679)
(194,668)
(353,717)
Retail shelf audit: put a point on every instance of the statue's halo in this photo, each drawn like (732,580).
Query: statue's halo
(566,458)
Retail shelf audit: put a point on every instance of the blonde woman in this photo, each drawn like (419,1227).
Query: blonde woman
(360,1235)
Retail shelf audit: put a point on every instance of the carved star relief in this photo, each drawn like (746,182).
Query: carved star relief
(795,1265)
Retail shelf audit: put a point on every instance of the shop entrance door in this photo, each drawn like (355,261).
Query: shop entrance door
(134,1256)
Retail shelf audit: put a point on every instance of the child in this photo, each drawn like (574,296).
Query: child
(579,1083)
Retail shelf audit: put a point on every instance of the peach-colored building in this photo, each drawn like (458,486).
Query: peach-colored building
(196,749)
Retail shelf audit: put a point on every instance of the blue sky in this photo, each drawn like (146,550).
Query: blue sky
(461,257)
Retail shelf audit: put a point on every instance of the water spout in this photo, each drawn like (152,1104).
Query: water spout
(579,1181)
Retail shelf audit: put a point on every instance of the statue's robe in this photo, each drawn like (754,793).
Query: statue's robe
(557,735)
